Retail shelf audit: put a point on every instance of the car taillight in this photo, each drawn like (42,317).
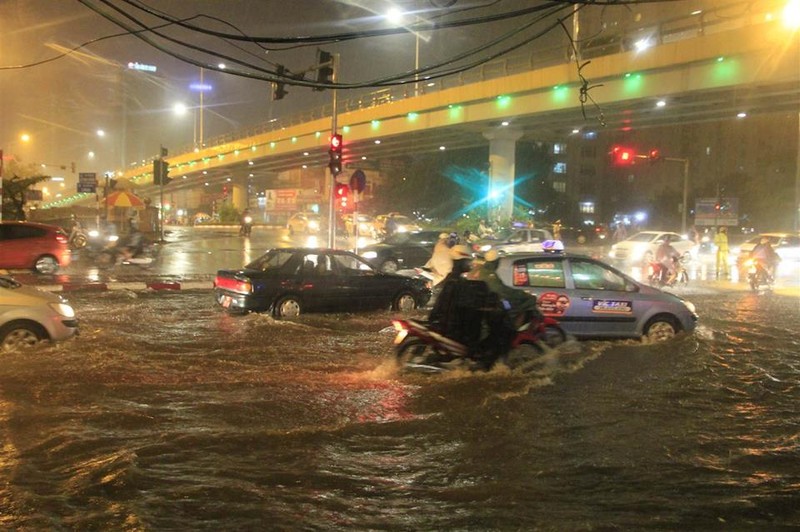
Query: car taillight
(234,285)
(62,238)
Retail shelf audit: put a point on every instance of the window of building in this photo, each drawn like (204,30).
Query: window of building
(560,186)
(560,168)
(559,147)
(586,207)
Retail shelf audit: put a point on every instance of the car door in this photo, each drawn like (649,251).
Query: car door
(362,287)
(317,283)
(602,300)
(418,250)
(19,245)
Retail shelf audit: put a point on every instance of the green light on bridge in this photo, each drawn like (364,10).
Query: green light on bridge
(503,101)
(317,134)
(294,139)
(272,144)
(375,124)
(236,152)
(633,82)
(412,116)
(560,93)
(456,112)
(346,129)
(725,71)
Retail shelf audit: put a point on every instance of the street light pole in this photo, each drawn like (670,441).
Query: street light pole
(331,202)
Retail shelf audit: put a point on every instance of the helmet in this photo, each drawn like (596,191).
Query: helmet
(443,236)
(491,256)
(460,252)
(553,246)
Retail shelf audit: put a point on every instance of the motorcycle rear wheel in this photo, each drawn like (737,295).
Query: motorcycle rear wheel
(553,336)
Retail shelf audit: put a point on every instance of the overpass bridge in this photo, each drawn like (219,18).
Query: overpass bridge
(710,68)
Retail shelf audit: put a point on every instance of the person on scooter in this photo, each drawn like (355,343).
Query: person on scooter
(667,256)
(133,244)
(441,263)
(447,313)
(766,257)
(517,306)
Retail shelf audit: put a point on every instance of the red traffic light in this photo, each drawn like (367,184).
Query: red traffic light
(341,193)
(336,143)
(623,156)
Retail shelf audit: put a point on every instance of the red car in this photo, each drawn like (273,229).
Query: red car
(39,247)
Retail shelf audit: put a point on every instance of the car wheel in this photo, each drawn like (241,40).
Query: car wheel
(405,302)
(288,307)
(389,266)
(660,329)
(46,264)
(413,351)
(15,336)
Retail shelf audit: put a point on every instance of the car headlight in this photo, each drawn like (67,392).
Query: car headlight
(370,254)
(689,305)
(113,238)
(638,252)
(313,225)
(63,309)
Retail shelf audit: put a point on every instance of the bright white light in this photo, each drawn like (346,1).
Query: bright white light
(642,45)
(791,15)
(741,115)
(576,131)
(640,216)
(222,66)
(90,155)
(395,16)
(377,141)
(504,123)
(661,103)
(101,133)
(180,109)
(442,148)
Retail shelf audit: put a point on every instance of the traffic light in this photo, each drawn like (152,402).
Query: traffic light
(324,68)
(335,152)
(161,172)
(623,155)
(279,90)
(341,193)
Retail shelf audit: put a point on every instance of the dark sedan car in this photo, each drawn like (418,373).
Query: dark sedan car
(294,280)
(401,251)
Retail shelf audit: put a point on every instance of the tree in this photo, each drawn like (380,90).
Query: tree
(15,190)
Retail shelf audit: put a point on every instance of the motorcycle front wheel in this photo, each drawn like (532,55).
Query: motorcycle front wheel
(413,351)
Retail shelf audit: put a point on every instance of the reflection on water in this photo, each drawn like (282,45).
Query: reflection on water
(167,413)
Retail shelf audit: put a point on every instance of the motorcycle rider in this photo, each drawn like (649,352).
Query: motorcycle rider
(246,223)
(441,263)
(446,313)
(767,258)
(76,228)
(517,307)
(667,256)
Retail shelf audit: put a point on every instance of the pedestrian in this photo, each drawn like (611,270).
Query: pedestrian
(557,230)
(620,233)
(721,242)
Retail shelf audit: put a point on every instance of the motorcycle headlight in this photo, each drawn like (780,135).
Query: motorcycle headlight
(370,254)
(94,233)
(113,238)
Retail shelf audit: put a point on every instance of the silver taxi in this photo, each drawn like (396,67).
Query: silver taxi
(591,299)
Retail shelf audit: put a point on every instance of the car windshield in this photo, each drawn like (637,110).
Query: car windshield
(272,260)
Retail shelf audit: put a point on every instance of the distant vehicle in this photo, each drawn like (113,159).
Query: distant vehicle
(642,246)
(591,299)
(29,245)
(401,251)
(513,241)
(365,224)
(403,224)
(292,281)
(304,222)
(786,245)
(29,316)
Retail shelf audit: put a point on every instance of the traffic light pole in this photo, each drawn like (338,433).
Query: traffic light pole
(331,202)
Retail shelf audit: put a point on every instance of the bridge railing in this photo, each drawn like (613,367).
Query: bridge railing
(720,18)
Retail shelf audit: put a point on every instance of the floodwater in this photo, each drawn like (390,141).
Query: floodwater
(166,414)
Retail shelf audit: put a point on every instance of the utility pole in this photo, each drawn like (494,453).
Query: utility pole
(331,206)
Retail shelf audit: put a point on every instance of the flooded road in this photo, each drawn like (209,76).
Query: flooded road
(167,414)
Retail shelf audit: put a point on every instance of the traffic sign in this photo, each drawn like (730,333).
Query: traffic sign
(87,187)
(87,178)
(358,181)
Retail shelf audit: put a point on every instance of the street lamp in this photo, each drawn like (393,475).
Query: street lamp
(396,17)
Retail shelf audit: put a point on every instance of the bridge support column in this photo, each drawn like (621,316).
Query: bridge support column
(238,196)
(502,153)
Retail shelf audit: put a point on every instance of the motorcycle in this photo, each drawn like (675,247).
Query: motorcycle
(78,238)
(658,275)
(246,226)
(121,254)
(757,275)
(420,346)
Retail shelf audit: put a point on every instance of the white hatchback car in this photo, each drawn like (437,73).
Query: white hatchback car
(642,246)
(29,316)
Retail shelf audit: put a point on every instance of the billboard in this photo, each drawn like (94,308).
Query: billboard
(716,211)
